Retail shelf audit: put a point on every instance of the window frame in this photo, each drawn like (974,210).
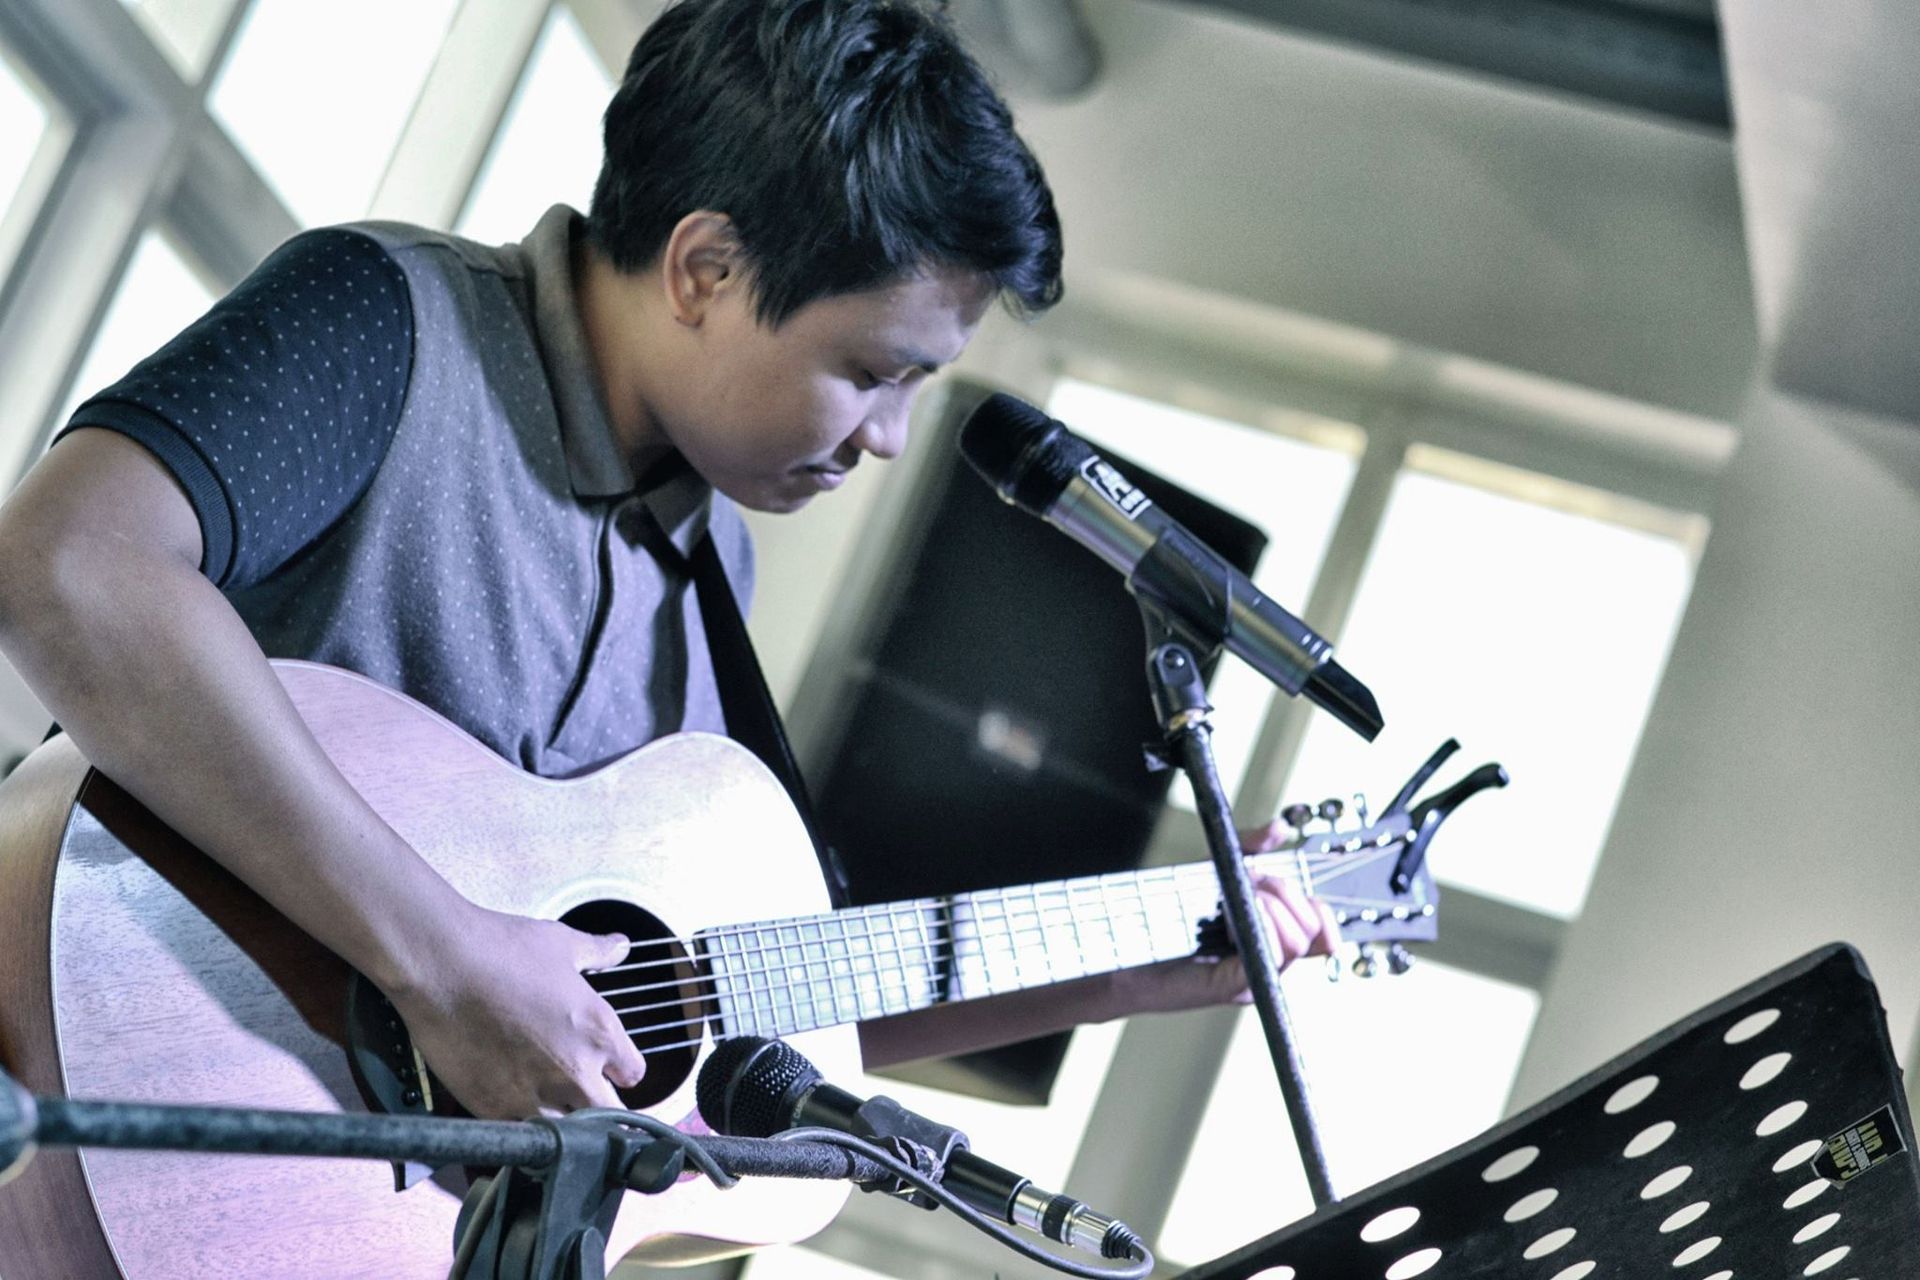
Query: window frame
(143,151)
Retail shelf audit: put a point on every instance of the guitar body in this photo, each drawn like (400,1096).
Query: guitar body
(133,968)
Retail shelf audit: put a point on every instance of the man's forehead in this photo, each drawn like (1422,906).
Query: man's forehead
(924,321)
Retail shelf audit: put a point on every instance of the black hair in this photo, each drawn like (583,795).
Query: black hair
(851,143)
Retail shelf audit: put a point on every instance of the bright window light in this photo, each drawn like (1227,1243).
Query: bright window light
(23,123)
(158,297)
(317,95)
(28,124)
(1530,619)
(1399,1069)
(185,30)
(548,147)
(1291,486)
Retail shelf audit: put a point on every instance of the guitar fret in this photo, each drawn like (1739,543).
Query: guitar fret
(926,961)
(857,964)
(793,957)
(809,929)
(842,969)
(863,974)
(1073,923)
(742,1021)
(1044,947)
(770,1026)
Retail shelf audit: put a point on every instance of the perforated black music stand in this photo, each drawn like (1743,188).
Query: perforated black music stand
(1692,1156)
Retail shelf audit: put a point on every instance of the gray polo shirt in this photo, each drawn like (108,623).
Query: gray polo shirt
(402,465)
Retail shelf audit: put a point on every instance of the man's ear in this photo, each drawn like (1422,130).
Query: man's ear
(701,263)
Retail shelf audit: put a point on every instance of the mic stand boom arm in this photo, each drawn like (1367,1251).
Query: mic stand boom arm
(1180,705)
(543,1216)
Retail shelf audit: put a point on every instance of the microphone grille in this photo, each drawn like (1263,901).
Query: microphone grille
(745,1089)
(1025,455)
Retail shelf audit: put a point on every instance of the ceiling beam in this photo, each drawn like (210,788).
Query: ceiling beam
(1651,59)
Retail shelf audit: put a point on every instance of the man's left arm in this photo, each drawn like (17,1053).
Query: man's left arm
(1297,924)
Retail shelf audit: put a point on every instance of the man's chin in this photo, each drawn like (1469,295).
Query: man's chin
(774,502)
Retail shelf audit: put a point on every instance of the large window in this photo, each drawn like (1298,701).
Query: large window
(1530,618)
(1526,614)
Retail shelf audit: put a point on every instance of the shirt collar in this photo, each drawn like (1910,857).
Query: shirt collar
(595,465)
(679,501)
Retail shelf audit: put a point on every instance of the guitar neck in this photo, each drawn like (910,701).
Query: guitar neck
(784,976)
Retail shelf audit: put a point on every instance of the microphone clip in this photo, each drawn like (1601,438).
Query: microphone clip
(917,1142)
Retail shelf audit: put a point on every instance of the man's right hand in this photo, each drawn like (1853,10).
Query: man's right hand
(504,1018)
(105,613)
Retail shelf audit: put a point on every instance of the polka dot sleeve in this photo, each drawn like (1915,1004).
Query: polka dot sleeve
(275,408)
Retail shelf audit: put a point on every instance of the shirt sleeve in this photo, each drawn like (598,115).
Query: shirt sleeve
(275,408)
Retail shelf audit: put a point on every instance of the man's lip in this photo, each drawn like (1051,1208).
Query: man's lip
(828,477)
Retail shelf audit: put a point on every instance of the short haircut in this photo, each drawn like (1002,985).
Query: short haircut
(851,142)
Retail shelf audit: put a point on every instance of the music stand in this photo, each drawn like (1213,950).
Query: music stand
(1691,1156)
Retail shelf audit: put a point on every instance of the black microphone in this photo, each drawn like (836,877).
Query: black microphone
(754,1088)
(1038,465)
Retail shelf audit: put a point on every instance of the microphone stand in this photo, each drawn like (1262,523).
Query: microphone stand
(543,1216)
(1180,704)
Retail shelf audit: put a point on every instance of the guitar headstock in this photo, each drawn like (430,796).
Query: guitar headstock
(1373,872)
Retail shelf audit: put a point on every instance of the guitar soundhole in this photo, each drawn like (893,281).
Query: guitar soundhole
(661,993)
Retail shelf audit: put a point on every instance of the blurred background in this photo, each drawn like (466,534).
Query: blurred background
(1562,350)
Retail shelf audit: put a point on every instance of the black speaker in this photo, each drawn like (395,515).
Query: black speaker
(997,711)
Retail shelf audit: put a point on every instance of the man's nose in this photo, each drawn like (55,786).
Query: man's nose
(883,433)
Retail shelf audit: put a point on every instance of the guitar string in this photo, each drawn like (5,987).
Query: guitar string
(937,944)
(1157,881)
(932,937)
(749,1020)
(1155,875)
(752,1000)
(1058,899)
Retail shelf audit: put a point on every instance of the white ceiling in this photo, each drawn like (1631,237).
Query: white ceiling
(1436,207)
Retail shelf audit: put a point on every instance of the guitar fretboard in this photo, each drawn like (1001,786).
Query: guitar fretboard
(784,976)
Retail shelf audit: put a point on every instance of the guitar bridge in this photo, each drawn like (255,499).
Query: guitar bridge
(389,1072)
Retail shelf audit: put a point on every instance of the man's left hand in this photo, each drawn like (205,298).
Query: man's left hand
(1297,925)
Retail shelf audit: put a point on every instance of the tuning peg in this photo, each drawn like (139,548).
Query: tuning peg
(1330,810)
(1336,968)
(1365,965)
(1360,808)
(1297,816)
(1399,959)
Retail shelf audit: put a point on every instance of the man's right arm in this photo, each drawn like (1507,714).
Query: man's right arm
(105,613)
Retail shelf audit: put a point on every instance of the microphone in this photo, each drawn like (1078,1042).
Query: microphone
(752,1087)
(1035,463)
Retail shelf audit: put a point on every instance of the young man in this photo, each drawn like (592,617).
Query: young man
(477,475)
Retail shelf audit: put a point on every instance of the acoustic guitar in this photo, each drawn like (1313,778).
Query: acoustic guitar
(132,967)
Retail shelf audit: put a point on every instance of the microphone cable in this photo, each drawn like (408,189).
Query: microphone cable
(1140,1266)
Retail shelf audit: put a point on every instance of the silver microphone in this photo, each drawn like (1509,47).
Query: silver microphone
(1037,464)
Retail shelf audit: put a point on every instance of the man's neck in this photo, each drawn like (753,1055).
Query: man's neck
(618,316)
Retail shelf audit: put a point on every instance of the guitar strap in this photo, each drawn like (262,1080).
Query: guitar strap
(752,718)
